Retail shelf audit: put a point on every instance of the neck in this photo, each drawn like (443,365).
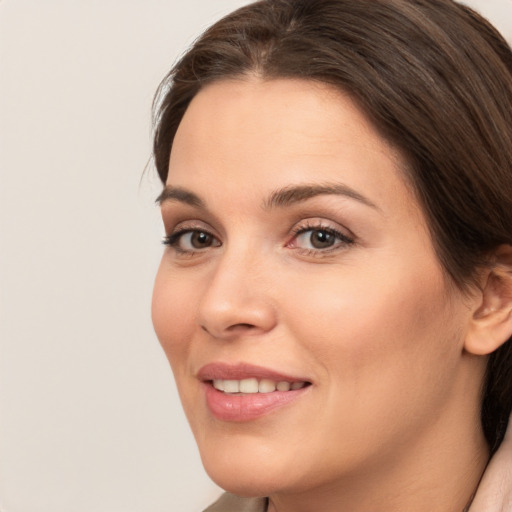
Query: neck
(437,472)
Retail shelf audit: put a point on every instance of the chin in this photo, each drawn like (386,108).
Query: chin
(246,485)
(245,474)
(244,489)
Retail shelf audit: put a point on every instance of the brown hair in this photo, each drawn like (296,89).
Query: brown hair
(434,77)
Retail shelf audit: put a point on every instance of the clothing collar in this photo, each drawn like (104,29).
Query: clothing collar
(494,493)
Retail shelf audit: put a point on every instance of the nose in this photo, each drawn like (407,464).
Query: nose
(237,299)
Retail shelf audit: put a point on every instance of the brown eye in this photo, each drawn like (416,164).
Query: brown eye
(320,239)
(191,240)
(200,239)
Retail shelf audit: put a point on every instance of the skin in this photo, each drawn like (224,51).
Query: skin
(391,420)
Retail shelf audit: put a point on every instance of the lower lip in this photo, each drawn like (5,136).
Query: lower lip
(240,408)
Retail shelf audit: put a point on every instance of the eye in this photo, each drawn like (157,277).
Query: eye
(316,239)
(191,240)
(319,238)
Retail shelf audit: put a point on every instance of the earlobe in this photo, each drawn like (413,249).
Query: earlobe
(491,324)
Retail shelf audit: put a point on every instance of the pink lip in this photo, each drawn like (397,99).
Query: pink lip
(242,408)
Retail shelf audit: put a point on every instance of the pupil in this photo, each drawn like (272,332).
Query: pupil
(321,239)
(200,240)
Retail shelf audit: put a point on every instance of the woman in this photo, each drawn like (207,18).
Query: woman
(335,297)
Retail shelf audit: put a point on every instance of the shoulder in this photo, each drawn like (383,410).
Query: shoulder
(231,503)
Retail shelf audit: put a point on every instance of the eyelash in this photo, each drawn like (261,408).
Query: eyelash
(174,239)
(343,240)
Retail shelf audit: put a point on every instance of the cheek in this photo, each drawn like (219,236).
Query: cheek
(173,312)
(377,331)
(385,346)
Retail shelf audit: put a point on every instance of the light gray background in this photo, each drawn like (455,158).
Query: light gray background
(89,417)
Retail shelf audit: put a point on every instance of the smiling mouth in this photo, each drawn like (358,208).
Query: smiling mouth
(253,386)
(243,392)
(242,401)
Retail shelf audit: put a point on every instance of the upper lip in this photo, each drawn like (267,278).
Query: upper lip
(239,371)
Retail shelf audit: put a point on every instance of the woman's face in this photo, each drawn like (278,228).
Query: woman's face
(297,255)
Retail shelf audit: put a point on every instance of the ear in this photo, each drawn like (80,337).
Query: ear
(491,323)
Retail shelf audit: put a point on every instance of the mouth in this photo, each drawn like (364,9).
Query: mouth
(252,386)
(240,393)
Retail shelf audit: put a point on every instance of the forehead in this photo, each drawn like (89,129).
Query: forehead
(244,136)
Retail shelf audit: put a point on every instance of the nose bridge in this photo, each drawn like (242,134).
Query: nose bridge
(237,299)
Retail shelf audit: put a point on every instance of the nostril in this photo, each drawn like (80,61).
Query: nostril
(232,328)
(224,312)
(241,329)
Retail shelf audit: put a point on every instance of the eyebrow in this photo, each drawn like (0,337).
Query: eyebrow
(297,193)
(280,198)
(180,195)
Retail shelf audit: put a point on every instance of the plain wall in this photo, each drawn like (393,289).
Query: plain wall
(89,417)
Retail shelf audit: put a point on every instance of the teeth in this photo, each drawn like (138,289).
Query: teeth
(248,386)
(266,386)
(252,385)
(218,384)
(283,386)
(232,386)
